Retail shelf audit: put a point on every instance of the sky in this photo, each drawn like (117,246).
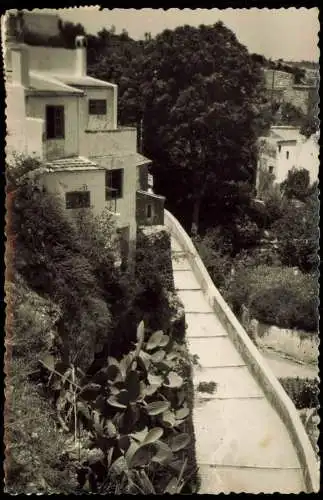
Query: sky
(289,34)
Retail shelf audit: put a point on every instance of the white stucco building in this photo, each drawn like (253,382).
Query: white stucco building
(284,149)
(58,113)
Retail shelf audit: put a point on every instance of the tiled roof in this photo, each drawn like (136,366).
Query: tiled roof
(121,160)
(42,82)
(45,81)
(285,133)
(83,81)
(75,163)
(78,163)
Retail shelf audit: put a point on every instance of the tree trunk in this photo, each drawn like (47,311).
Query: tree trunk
(196,216)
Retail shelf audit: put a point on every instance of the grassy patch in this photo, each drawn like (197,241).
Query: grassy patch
(34,444)
(208,387)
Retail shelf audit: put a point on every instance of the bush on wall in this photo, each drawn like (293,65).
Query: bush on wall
(304,392)
(276,296)
(57,260)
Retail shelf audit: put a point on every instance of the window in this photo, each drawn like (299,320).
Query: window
(279,148)
(287,155)
(78,199)
(55,122)
(97,107)
(149,211)
(271,169)
(114,184)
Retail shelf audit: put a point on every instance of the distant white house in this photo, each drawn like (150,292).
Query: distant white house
(283,149)
(68,119)
(308,156)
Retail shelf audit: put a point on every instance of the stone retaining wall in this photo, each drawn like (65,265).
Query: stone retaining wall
(300,345)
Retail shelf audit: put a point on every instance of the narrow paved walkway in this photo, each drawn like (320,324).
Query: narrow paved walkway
(242,445)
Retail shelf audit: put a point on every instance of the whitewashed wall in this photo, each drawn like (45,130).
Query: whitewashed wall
(58,148)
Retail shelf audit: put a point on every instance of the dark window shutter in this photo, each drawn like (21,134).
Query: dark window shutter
(78,199)
(50,129)
(114,183)
(55,122)
(97,107)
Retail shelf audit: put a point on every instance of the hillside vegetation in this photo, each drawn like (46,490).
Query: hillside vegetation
(199,99)
(97,400)
(271,267)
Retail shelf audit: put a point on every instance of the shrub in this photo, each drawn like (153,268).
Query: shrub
(33,440)
(297,184)
(290,115)
(276,295)
(133,412)
(276,205)
(297,231)
(208,387)
(246,233)
(153,261)
(67,264)
(304,392)
(54,259)
(216,261)
(149,290)
(310,125)
(19,170)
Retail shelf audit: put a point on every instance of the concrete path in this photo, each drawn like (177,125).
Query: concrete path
(241,443)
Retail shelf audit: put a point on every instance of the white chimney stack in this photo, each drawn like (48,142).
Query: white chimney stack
(20,64)
(80,47)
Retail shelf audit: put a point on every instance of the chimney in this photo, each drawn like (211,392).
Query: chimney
(20,64)
(80,47)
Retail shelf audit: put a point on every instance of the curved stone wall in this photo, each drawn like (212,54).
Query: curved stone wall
(270,385)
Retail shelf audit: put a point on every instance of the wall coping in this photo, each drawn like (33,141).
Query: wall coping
(269,383)
(110,130)
(148,194)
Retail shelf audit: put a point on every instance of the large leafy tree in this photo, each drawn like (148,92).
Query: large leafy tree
(209,140)
(197,91)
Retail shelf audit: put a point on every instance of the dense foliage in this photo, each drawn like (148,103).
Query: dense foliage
(272,267)
(297,184)
(304,392)
(128,419)
(190,103)
(297,229)
(82,327)
(33,439)
(54,258)
(290,115)
(276,296)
